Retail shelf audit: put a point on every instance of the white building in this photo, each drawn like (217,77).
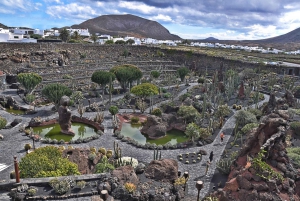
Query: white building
(81,32)
(27,31)
(9,37)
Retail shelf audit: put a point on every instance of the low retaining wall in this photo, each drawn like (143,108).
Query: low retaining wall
(76,119)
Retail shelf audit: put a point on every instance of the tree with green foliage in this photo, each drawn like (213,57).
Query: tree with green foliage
(29,81)
(186,42)
(120,42)
(189,113)
(113,110)
(109,42)
(130,41)
(102,78)
(55,91)
(64,35)
(94,38)
(76,36)
(192,131)
(144,90)
(35,36)
(126,74)
(46,162)
(155,74)
(182,72)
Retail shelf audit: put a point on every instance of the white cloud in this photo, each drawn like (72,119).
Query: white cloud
(53,1)
(161,17)
(141,7)
(72,11)
(11,6)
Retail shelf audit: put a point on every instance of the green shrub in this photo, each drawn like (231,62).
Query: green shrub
(189,113)
(258,113)
(3,122)
(295,126)
(184,96)
(294,155)
(92,156)
(249,127)
(31,191)
(81,184)
(46,162)
(167,95)
(243,117)
(60,186)
(27,147)
(104,166)
(134,120)
(163,90)
(157,112)
(201,80)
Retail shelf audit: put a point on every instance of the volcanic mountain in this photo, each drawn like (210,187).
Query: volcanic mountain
(127,25)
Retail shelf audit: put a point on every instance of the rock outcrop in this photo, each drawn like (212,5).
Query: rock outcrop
(156,127)
(162,170)
(262,170)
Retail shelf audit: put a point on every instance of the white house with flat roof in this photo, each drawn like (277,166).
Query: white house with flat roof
(8,37)
(81,32)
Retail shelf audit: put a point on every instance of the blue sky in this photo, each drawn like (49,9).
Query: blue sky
(191,19)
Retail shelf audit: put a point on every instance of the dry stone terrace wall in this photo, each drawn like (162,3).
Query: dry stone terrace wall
(81,60)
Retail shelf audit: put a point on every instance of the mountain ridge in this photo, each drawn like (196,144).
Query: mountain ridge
(127,25)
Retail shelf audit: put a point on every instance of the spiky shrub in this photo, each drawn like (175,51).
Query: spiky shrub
(92,156)
(3,122)
(224,165)
(134,120)
(294,155)
(104,166)
(157,112)
(258,113)
(81,184)
(102,150)
(243,117)
(295,126)
(130,187)
(249,127)
(27,147)
(31,192)
(180,181)
(60,186)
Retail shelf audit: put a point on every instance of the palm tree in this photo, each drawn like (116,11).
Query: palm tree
(94,38)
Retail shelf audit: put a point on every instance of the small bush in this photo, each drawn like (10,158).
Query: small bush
(130,187)
(60,187)
(244,117)
(3,122)
(163,90)
(249,127)
(134,120)
(295,126)
(294,155)
(157,112)
(67,76)
(258,113)
(92,156)
(167,95)
(201,80)
(27,147)
(81,184)
(31,192)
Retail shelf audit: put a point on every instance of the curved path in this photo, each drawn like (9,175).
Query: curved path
(14,141)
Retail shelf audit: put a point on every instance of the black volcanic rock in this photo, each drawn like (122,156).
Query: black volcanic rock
(127,25)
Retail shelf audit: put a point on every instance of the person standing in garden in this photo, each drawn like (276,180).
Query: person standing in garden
(211,156)
(222,137)
(207,167)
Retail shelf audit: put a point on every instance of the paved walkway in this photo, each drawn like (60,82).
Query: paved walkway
(14,142)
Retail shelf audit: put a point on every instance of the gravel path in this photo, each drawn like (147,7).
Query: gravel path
(14,141)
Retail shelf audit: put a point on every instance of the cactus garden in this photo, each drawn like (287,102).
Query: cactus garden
(248,117)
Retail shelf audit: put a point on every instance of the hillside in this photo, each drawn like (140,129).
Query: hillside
(290,37)
(127,25)
(3,26)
